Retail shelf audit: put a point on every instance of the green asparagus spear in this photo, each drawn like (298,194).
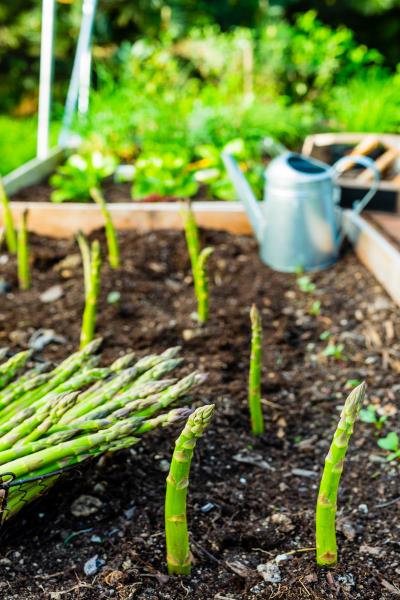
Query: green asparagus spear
(84,248)
(176,531)
(112,240)
(191,233)
(24,276)
(256,414)
(201,286)
(123,362)
(11,236)
(91,297)
(328,490)
(10,368)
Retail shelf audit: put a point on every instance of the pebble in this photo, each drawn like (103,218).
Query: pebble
(270,572)
(206,508)
(43,337)
(85,505)
(304,473)
(363,508)
(51,294)
(372,550)
(164,465)
(5,287)
(69,262)
(92,566)
(281,521)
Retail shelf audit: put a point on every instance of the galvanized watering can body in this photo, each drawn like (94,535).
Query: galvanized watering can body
(298,223)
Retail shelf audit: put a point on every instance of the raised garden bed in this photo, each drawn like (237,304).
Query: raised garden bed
(250,500)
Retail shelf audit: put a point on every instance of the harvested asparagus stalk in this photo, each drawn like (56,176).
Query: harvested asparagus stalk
(57,424)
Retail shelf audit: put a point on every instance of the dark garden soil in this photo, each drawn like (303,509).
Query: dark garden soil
(114,192)
(250,500)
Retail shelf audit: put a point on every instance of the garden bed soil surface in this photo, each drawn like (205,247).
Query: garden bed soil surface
(113,192)
(250,500)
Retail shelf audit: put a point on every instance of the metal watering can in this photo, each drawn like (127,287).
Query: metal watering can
(298,225)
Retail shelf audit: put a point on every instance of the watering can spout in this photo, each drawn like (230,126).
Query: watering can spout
(245,194)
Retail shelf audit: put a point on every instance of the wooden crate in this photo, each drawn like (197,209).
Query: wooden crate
(329,147)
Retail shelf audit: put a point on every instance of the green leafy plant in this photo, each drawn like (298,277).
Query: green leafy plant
(79,174)
(10,233)
(176,529)
(335,351)
(370,415)
(111,234)
(392,443)
(165,174)
(24,276)
(305,284)
(91,259)
(315,309)
(256,413)
(58,419)
(328,489)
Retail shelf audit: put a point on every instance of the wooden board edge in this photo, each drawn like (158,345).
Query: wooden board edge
(380,257)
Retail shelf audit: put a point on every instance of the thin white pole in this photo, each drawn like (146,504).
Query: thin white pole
(79,75)
(46,75)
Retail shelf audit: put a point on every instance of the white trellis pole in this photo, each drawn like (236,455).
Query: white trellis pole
(46,76)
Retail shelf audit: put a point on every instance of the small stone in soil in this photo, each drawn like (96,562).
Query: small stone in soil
(270,572)
(92,565)
(304,473)
(207,507)
(85,505)
(51,294)
(5,287)
(43,337)
(164,465)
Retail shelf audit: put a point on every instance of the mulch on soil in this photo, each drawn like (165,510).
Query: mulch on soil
(250,500)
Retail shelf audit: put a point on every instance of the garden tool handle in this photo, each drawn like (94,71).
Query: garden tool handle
(368,163)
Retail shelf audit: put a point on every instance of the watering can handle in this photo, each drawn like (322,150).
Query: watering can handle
(368,163)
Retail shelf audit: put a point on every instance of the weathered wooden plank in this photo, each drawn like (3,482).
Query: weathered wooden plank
(33,171)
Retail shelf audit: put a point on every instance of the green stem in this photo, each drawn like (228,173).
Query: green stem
(11,236)
(191,233)
(256,414)
(201,284)
(85,254)
(328,490)
(111,235)
(24,277)
(91,299)
(176,531)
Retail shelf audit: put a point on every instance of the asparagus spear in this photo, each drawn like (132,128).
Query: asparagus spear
(24,276)
(24,386)
(91,296)
(191,233)
(256,414)
(176,531)
(9,369)
(11,236)
(40,421)
(328,490)
(201,286)
(85,254)
(112,240)
(123,362)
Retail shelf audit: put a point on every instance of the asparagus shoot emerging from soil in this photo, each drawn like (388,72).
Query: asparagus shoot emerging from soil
(24,277)
(92,289)
(328,490)
(201,284)
(198,260)
(191,233)
(176,531)
(11,236)
(112,240)
(256,414)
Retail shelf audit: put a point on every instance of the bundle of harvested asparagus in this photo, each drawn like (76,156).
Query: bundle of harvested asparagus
(51,421)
